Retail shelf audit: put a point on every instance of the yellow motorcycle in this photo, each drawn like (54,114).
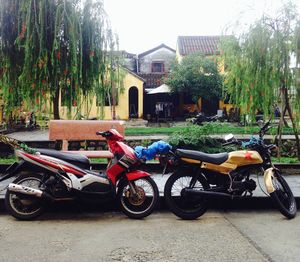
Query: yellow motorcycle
(199,177)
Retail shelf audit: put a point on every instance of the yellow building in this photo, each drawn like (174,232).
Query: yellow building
(129,105)
(209,46)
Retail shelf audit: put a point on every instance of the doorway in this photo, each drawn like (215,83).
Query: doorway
(133,102)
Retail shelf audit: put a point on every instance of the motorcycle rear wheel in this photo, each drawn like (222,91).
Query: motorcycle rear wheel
(21,206)
(185,206)
(283,196)
(140,205)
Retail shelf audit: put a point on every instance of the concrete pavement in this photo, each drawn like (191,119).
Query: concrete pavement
(92,236)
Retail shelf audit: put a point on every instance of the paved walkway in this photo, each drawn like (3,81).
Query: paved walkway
(217,236)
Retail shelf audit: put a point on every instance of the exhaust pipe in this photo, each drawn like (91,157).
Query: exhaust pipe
(206,193)
(29,191)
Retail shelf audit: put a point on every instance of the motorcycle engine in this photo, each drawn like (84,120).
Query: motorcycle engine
(241,186)
(57,188)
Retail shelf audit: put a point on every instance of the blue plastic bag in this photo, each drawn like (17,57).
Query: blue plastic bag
(149,152)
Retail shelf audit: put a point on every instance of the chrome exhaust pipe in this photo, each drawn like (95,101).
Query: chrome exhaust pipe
(29,191)
(25,190)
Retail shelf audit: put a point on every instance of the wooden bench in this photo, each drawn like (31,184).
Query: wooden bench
(83,130)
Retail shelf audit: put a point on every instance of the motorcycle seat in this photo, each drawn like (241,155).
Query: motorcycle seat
(73,158)
(203,157)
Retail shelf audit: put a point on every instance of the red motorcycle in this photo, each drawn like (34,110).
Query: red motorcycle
(49,175)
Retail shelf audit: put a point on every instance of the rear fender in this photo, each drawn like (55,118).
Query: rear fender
(134,175)
(12,170)
(268,176)
(17,168)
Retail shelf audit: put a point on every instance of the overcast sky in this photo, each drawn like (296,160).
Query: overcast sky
(145,24)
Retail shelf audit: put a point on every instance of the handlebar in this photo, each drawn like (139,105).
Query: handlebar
(104,134)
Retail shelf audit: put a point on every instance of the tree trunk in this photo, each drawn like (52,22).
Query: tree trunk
(284,120)
(286,107)
(279,134)
(56,104)
(293,123)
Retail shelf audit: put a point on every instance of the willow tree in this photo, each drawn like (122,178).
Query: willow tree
(52,47)
(259,71)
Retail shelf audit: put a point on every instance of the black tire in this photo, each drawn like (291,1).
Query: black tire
(21,206)
(283,196)
(143,205)
(185,206)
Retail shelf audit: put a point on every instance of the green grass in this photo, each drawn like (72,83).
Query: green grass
(132,131)
(98,160)
(223,128)
(286,160)
(9,160)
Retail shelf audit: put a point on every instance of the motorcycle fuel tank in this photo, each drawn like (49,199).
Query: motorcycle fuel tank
(235,159)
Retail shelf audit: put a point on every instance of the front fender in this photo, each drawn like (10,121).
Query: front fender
(134,175)
(268,176)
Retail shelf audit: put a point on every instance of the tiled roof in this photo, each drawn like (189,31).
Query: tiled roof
(154,49)
(208,45)
(152,80)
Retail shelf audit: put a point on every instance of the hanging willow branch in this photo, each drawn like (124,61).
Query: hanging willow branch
(259,73)
(52,47)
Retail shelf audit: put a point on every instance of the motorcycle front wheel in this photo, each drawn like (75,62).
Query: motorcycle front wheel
(139,201)
(182,205)
(283,196)
(22,206)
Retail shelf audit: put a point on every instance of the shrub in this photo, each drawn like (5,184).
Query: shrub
(197,138)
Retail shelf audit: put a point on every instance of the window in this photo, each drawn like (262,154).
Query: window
(158,67)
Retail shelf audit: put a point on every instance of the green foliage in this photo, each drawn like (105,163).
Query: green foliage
(200,137)
(52,47)
(258,62)
(208,129)
(286,160)
(197,76)
(196,138)
(9,160)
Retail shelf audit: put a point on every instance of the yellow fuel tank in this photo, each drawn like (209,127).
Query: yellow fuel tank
(235,159)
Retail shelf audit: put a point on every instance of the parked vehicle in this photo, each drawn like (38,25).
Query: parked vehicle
(200,118)
(199,177)
(50,176)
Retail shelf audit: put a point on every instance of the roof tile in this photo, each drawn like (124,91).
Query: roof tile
(208,45)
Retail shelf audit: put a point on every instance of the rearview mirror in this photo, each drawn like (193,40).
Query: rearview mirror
(228,137)
(260,123)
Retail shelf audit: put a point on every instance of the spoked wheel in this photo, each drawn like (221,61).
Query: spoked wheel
(283,196)
(139,201)
(22,206)
(183,205)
